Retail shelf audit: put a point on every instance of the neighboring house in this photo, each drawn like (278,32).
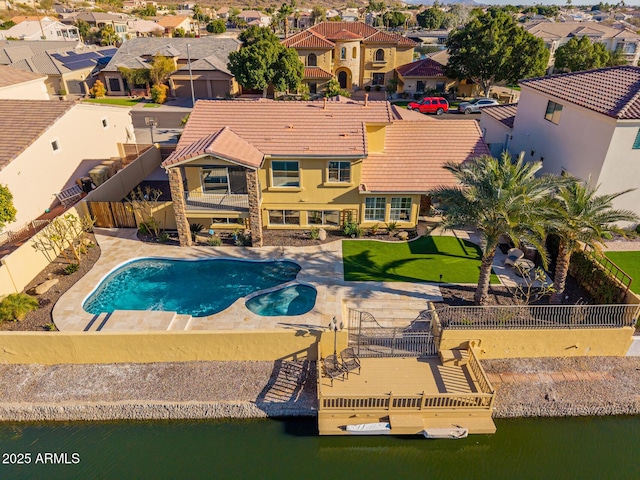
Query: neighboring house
(430,37)
(356,54)
(45,29)
(586,124)
(557,34)
(98,20)
(46,145)
(496,123)
(18,85)
(423,76)
(209,57)
(254,17)
(172,22)
(15,50)
(292,165)
(144,28)
(69,70)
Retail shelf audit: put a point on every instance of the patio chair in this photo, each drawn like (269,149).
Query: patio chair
(333,368)
(350,361)
(513,255)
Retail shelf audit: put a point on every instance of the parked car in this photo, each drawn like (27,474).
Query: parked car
(437,105)
(476,104)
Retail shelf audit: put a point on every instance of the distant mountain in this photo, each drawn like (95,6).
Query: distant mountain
(471,3)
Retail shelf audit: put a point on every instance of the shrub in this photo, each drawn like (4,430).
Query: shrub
(214,241)
(367,88)
(594,279)
(241,239)
(195,228)
(50,326)
(638,228)
(314,233)
(377,88)
(163,237)
(374,228)
(98,90)
(392,226)
(71,268)
(16,306)
(352,229)
(159,93)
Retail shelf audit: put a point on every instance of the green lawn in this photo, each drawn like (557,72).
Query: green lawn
(126,102)
(151,105)
(630,263)
(422,260)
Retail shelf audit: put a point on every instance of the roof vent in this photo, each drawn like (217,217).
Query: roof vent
(366,99)
(324,107)
(344,134)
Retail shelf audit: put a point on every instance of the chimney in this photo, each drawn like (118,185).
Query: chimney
(366,99)
(324,107)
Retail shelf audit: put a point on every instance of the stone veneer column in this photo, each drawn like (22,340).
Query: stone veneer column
(179,206)
(255,213)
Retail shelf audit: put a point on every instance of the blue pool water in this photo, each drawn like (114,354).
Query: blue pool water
(291,300)
(196,288)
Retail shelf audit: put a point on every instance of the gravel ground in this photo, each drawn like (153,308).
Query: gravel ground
(617,394)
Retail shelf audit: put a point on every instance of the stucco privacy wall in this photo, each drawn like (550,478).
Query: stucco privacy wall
(582,342)
(50,348)
(23,264)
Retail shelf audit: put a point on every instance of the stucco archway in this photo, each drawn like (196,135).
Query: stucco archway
(344,78)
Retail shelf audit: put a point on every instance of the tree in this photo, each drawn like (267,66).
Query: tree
(64,232)
(582,216)
(148,11)
(458,14)
(142,203)
(83,29)
(497,197)
(98,90)
(283,14)
(264,61)
(161,68)
(581,54)
(318,14)
(378,7)
(217,26)
(7,210)
(135,76)
(7,25)
(493,48)
(108,36)
(46,5)
(394,19)
(179,33)
(432,18)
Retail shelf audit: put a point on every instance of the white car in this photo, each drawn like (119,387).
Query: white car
(476,104)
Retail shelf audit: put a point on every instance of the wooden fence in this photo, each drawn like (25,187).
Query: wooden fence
(112,215)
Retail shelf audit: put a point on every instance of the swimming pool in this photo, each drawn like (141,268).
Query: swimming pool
(199,287)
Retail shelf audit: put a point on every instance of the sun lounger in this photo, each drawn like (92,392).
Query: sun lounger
(513,255)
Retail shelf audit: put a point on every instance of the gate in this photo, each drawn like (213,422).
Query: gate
(369,339)
(112,215)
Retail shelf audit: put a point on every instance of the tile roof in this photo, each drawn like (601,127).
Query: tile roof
(24,121)
(344,35)
(290,128)
(209,63)
(170,21)
(12,76)
(65,60)
(316,72)
(613,91)
(503,113)
(355,30)
(223,144)
(15,50)
(308,39)
(130,52)
(558,30)
(415,153)
(422,68)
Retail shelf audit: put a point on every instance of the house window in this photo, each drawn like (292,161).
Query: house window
(378,79)
(215,180)
(114,84)
(312,60)
(313,88)
(228,220)
(285,174)
(374,208)
(354,52)
(343,53)
(105,123)
(440,87)
(340,172)
(553,112)
(323,217)
(55,145)
(284,217)
(379,55)
(636,143)
(400,209)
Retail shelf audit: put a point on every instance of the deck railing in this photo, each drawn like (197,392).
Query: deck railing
(390,402)
(482,381)
(537,316)
(198,201)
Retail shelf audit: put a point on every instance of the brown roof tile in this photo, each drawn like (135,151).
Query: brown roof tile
(316,72)
(24,121)
(335,30)
(422,68)
(344,35)
(169,21)
(12,76)
(223,144)
(415,153)
(289,128)
(308,39)
(503,113)
(613,91)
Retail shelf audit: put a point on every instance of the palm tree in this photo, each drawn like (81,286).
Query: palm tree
(283,13)
(582,216)
(497,197)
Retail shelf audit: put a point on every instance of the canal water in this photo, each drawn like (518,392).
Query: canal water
(571,448)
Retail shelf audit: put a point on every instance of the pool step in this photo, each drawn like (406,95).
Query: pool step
(179,322)
(97,322)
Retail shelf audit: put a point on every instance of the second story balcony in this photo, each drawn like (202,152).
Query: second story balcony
(196,201)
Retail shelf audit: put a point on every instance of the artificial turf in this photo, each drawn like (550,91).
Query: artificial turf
(125,102)
(630,263)
(422,260)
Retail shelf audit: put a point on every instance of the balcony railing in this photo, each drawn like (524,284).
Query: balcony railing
(210,201)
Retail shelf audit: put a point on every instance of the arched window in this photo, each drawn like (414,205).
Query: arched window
(312,60)
(380,55)
(343,53)
(355,52)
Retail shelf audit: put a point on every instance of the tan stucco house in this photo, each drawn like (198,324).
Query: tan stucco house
(293,165)
(423,76)
(19,85)
(356,54)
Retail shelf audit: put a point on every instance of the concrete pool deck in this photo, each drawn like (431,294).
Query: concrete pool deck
(321,267)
